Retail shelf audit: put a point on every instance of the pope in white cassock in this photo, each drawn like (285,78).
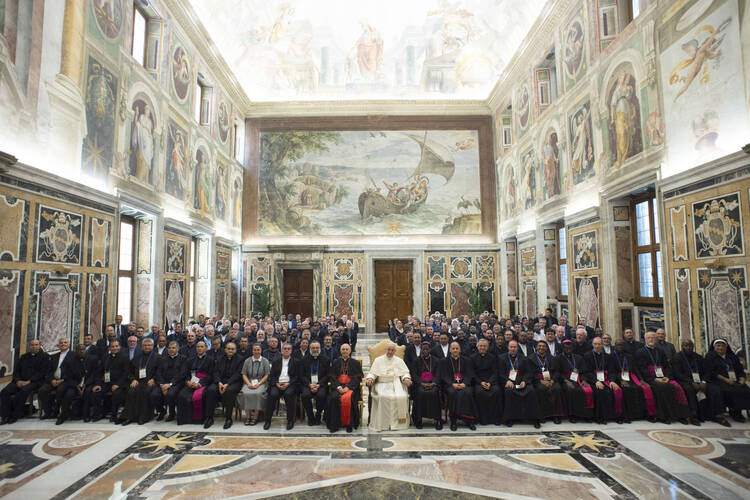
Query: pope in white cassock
(389,378)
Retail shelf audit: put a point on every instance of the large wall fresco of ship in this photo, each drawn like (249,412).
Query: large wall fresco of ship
(380,182)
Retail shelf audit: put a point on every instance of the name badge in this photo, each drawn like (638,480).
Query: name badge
(57,373)
(732,376)
(600,375)
(574,376)
(625,375)
(512,375)
(314,379)
(142,373)
(283,379)
(195,380)
(545,375)
(254,381)
(696,378)
(659,372)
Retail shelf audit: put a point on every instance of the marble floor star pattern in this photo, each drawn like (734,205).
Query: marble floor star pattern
(164,461)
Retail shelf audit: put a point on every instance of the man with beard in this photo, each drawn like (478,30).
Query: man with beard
(313,382)
(546,385)
(142,379)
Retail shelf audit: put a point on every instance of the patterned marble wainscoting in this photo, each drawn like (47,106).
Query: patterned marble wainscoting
(583,461)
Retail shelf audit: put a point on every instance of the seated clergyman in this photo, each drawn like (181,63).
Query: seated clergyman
(390,404)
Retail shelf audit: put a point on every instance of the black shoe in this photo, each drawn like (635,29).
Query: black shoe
(537,425)
(557,420)
(169,418)
(572,420)
(125,422)
(113,420)
(651,419)
(439,425)
(160,416)
(508,424)
(620,421)
(472,427)
(668,421)
(310,422)
(695,421)
(683,421)
(723,421)
(454,427)
(331,431)
(208,422)
(349,429)
(418,425)
(4,421)
(60,420)
(13,420)
(86,419)
(142,421)
(228,423)
(267,425)
(737,417)
(604,421)
(289,426)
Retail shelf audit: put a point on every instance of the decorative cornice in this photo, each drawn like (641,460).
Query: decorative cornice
(373,107)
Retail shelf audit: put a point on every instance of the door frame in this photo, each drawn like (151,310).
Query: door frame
(278,282)
(417,286)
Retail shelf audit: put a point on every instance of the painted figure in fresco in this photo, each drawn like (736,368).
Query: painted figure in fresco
(202,194)
(175,175)
(510,201)
(237,198)
(223,121)
(529,180)
(523,107)
(221,190)
(551,156)
(369,52)
(180,72)
(583,148)
(573,55)
(100,108)
(700,53)
(655,129)
(108,15)
(142,142)
(623,113)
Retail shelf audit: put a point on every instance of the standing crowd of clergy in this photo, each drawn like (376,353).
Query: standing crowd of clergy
(485,370)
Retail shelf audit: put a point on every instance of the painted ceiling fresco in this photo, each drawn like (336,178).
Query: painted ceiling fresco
(367,49)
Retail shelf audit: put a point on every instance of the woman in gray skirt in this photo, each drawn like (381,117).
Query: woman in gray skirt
(255,377)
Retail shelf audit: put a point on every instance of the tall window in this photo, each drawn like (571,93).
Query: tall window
(191,299)
(239,141)
(140,24)
(562,262)
(202,101)
(649,282)
(126,269)
(635,8)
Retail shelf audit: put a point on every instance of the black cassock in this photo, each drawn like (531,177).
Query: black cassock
(684,365)
(190,401)
(669,397)
(143,368)
(352,369)
(171,371)
(579,400)
(518,404)
(314,367)
(598,371)
(227,371)
(736,397)
(489,402)
(550,397)
(425,375)
(633,402)
(460,401)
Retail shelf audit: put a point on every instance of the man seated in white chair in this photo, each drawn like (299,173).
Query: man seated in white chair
(389,377)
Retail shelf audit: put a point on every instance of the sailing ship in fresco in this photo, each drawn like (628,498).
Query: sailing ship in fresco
(407,198)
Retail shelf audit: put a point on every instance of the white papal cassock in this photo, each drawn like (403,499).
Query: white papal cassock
(390,399)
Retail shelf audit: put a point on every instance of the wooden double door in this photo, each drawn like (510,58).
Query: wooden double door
(393,291)
(298,292)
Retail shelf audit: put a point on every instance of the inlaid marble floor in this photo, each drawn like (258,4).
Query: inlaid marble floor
(76,460)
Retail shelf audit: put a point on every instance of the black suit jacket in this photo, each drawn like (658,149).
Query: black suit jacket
(410,354)
(294,365)
(307,368)
(65,368)
(437,351)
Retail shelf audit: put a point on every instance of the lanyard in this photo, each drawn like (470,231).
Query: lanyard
(106,361)
(573,364)
(539,362)
(513,364)
(147,361)
(596,366)
(252,368)
(620,365)
(427,364)
(654,362)
(690,365)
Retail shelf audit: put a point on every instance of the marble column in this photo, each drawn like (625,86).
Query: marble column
(67,109)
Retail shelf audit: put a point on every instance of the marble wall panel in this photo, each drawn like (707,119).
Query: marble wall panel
(14,212)
(342,281)
(624,249)
(223,263)
(56,308)
(435,267)
(550,258)
(585,251)
(459,298)
(143,300)
(717,225)
(678,223)
(11,311)
(528,262)
(175,254)
(222,300)
(145,243)
(202,299)
(529,298)
(174,300)
(99,236)
(202,255)
(587,299)
(683,303)
(722,305)
(485,267)
(58,236)
(510,269)
(96,305)
(343,299)
(461,268)
(436,291)
(650,319)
